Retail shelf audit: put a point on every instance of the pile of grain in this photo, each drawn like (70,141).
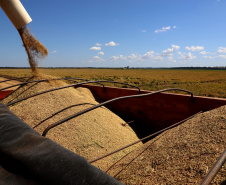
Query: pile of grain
(8,83)
(33,47)
(182,155)
(90,135)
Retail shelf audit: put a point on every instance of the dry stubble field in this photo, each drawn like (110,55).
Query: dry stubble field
(210,83)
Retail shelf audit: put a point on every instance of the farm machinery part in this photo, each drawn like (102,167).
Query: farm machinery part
(15,12)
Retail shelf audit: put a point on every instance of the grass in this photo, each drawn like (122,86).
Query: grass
(210,83)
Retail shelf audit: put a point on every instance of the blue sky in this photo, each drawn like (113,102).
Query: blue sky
(119,33)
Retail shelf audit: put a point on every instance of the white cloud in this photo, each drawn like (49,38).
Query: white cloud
(101,60)
(222,56)
(120,57)
(194,48)
(221,50)
(169,51)
(148,55)
(111,44)
(95,48)
(96,57)
(157,58)
(163,29)
(175,47)
(209,57)
(98,44)
(90,61)
(114,58)
(171,59)
(188,56)
(144,31)
(204,52)
(174,27)
(53,52)
(101,53)
(132,56)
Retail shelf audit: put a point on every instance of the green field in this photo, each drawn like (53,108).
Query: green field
(210,83)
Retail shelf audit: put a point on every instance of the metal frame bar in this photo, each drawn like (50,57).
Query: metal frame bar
(147,137)
(59,88)
(106,102)
(74,79)
(110,82)
(213,172)
(18,87)
(66,78)
(21,92)
(13,79)
(60,112)
(24,83)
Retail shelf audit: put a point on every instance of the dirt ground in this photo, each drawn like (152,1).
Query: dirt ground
(8,83)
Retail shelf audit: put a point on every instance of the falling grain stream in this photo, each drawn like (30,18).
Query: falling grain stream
(33,47)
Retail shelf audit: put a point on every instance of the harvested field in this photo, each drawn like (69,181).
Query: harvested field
(182,155)
(211,83)
(90,135)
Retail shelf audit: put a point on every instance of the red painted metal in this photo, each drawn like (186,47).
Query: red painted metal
(3,94)
(155,112)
